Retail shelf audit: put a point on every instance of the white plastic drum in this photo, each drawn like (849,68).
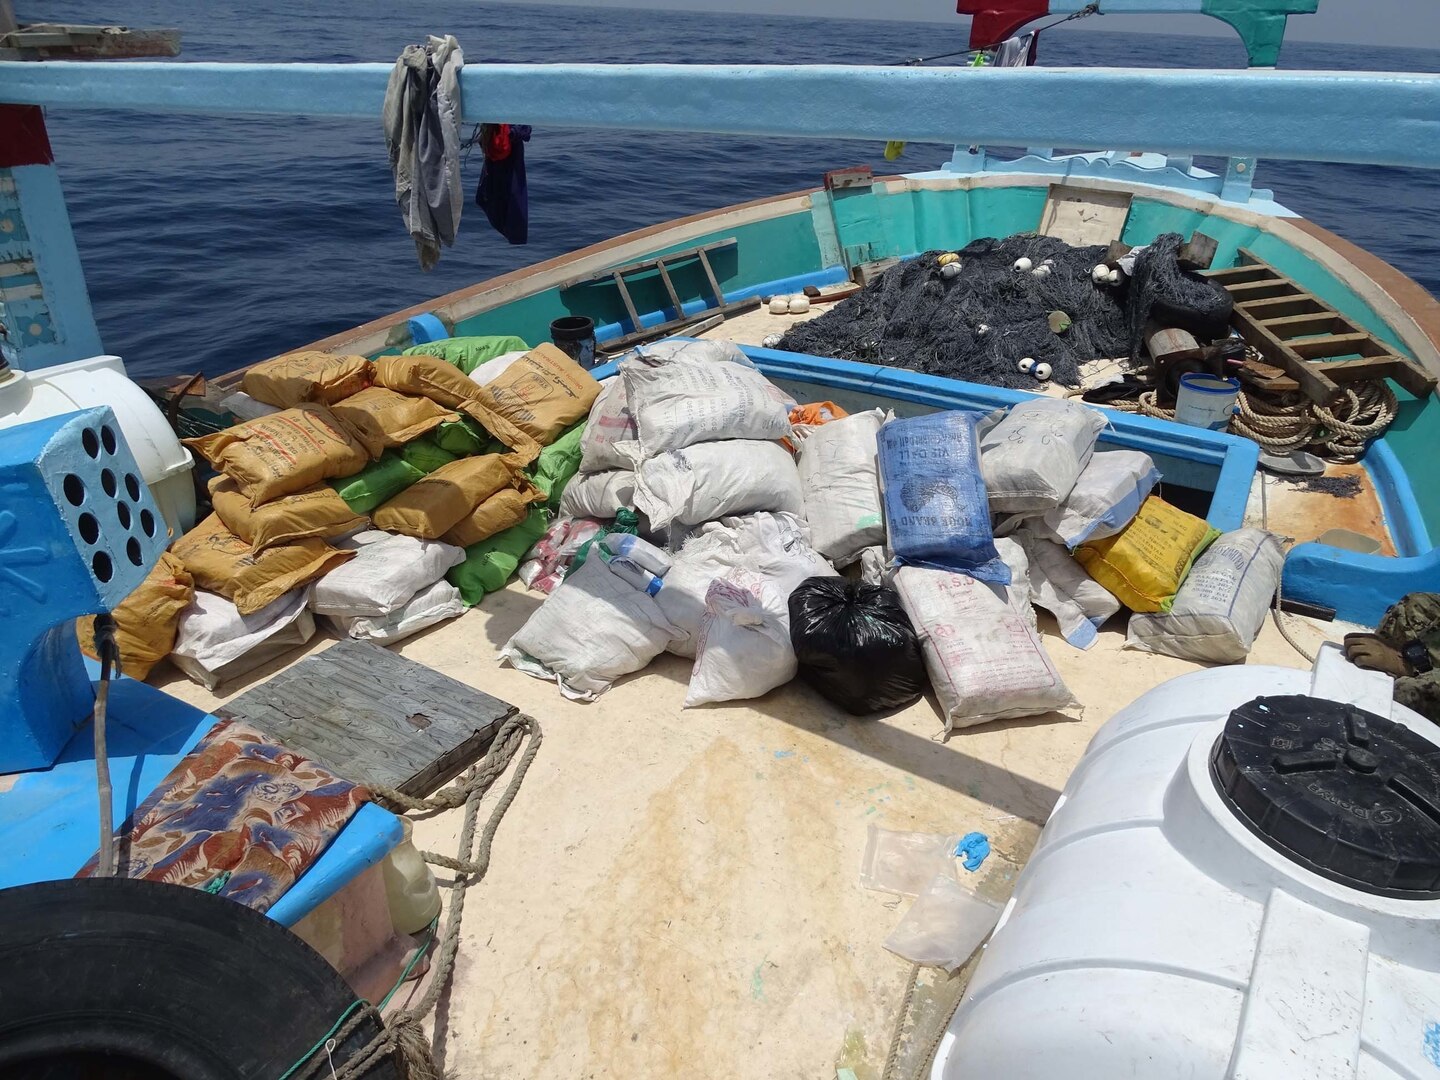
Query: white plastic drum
(1154,934)
(164,464)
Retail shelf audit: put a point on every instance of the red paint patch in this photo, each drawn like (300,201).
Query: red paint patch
(23,140)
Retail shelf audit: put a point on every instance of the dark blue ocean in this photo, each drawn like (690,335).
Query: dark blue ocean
(213,242)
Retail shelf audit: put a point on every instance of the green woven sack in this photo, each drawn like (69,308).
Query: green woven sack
(425,454)
(492,562)
(556,464)
(378,482)
(461,437)
(468,353)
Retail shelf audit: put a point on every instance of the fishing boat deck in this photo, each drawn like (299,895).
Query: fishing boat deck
(675,892)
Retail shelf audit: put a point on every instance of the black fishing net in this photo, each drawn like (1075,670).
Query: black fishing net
(979,324)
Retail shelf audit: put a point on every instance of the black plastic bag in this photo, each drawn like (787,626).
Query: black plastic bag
(855,645)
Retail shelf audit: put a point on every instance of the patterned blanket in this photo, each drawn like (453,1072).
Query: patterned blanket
(240,816)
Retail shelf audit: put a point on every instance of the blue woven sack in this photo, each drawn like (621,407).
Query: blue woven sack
(936,510)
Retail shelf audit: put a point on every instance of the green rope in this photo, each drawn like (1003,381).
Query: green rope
(356,1004)
(218,882)
(419,955)
(360,1002)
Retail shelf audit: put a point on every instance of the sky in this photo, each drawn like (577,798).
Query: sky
(1414,23)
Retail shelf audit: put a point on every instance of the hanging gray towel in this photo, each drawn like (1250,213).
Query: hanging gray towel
(422,131)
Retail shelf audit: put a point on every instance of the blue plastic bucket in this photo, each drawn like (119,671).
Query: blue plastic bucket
(1206,401)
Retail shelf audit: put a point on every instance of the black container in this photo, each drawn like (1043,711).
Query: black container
(574,335)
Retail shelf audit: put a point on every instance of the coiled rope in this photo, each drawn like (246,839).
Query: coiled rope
(405,1031)
(1282,423)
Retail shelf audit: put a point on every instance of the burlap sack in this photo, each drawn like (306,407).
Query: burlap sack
(382,419)
(542,393)
(315,512)
(323,377)
(431,507)
(283,453)
(503,510)
(431,377)
(223,563)
(146,620)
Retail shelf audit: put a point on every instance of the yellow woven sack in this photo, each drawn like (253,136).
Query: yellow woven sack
(298,377)
(1144,564)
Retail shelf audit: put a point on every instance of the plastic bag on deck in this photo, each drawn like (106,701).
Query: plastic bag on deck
(944,926)
(855,645)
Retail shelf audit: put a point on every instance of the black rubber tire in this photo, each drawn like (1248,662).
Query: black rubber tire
(120,978)
(1205,325)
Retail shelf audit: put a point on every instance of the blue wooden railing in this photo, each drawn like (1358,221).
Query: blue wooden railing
(1376,118)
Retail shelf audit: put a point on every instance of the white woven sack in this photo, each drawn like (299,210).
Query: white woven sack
(594,628)
(1032,455)
(386,573)
(429,606)
(984,661)
(712,480)
(1221,604)
(744,649)
(841,480)
(681,403)
(598,495)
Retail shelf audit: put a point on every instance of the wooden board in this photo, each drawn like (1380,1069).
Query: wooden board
(1084,216)
(375,717)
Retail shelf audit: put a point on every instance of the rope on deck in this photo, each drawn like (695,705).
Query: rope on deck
(1282,423)
(405,1032)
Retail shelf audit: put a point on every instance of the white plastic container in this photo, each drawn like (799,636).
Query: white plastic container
(410,887)
(1206,401)
(1153,934)
(101,380)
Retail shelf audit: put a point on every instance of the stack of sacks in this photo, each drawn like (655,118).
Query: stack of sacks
(606,480)
(392,588)
(706,442)
(970,612)
(689,433)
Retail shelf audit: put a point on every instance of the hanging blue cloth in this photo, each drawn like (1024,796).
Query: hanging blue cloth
(502,191)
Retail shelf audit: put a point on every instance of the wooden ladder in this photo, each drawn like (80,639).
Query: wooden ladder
(1317,347)
(662,265)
